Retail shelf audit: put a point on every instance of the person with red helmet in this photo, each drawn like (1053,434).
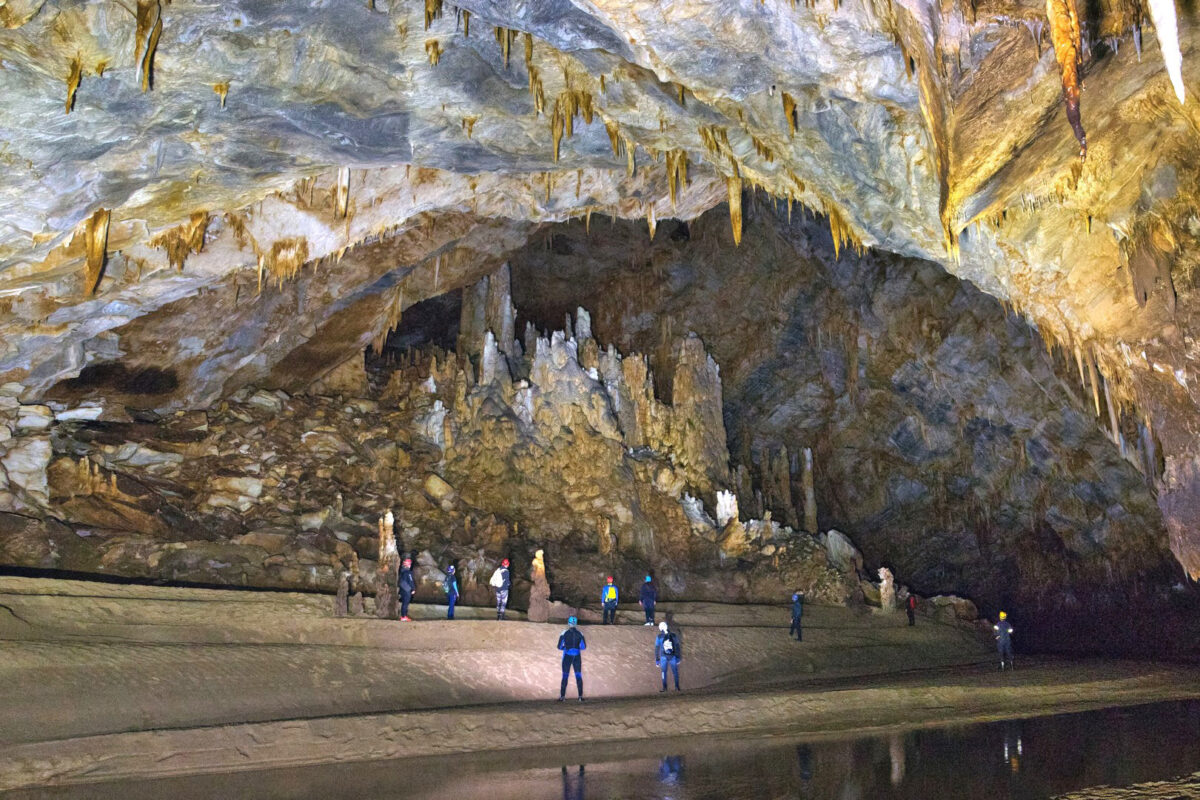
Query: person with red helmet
(608,597)
(501,581)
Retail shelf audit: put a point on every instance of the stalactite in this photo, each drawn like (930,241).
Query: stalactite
(1166,27)
(149,29)
(651,222)
(1117,438)
(1065,36)
(73,82)
(434,51)
(341,193)
(433,10)
(466,23)
(181,241)
(677,164)
(734,186)
(789,111)
(221,90)
(1092,371)
(1079,366)
(468,125)
(96,248)
(505,37)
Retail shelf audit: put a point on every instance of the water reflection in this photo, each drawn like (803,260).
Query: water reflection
(574,784)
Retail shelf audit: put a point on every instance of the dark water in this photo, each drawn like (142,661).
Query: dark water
(1032,758)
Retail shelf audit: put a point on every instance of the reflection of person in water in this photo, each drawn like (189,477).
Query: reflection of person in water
(573,785)
(670,770)
(1013,748)
(804,760)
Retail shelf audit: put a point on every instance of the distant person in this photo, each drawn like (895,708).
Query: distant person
(911,607)
(572,644)
(501,582)
(608,597)
(797,616)
(667,654)
(407,587)
(648,599)
(450,587)
(1004,633)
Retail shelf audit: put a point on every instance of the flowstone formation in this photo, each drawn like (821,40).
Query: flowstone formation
(555,443)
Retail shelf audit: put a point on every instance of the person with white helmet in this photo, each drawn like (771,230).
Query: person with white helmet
(1004,632)
(501,581)
(572,644)
(667,654)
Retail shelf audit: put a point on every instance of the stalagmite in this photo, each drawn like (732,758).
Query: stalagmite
(727,507)
(96,233)
(1166,27)
(387,593)
(1064,35)
(810,493)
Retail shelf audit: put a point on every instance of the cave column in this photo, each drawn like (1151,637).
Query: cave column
(810,493)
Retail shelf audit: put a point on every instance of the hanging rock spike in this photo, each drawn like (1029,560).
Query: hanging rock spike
(221,90)
(73,82)
(1064,35)
(149,29)
(734,184)
(1166,27)
(341,192)
(96,247)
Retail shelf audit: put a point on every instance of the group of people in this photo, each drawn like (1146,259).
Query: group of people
(501,582)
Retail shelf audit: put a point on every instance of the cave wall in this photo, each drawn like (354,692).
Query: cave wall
(947,440)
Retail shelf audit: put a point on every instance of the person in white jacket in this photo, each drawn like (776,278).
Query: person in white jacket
(501,581)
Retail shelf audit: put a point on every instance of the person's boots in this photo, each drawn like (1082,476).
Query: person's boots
(663,689)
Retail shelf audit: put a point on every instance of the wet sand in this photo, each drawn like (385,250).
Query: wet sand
(103,682)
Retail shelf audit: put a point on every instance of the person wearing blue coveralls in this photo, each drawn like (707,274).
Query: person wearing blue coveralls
(1004,632)
(451,588)
(608,597)
(648,599)
(797,616)
(572,644)
(667,654)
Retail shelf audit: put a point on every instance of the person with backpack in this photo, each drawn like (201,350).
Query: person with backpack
(1004,632)
(648,599)
(911,607)
(608,598)
(667,654)
(797,616)
(450,587)
(501,582)
(407,587)
(572,644)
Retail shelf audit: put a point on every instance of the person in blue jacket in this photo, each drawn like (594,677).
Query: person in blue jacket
(667,654)
(648,599)
(451,588)
(572,644)
(408,585)
(608,597)
(797,616)
(1004,632)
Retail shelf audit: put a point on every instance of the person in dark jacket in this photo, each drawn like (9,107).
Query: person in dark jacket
(797,616)
(648,598)
(911,607)
(608,598)
(1004,632)
(667,654)
(450,586)
(572,644)
(501,582)
(407,586)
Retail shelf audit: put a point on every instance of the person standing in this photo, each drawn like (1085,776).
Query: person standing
(797,616)
(572,644)
(608,597)
(407,586)
(911,607)
(501,581)
(1004,633)
(667,654)
(450,586)
(648,599)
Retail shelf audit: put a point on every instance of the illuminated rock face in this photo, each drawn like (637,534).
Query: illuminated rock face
(201,198)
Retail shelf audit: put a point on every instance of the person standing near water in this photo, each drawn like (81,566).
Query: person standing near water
(648,599)
(608,598)
(797,616)
(1004,633)
(407,587)
(572,644)
(501,582)
(667,654)
(450,586)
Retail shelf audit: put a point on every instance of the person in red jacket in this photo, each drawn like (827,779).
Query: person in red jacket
(911,606)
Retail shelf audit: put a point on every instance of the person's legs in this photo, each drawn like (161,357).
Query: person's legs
(451,600)
(912,618)
(405,599)
(578,663)
(566,665)
(675,672)
(650,614)
(792,629)
(501,603)
(662,665)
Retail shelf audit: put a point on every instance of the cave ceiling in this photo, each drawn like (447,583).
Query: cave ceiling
(165,159)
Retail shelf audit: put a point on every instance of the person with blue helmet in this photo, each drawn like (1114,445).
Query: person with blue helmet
(608,598)
(648,598)
(797,616)
(450,587)
(667,654)
(572,644)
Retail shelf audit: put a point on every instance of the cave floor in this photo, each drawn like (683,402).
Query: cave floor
(102,681)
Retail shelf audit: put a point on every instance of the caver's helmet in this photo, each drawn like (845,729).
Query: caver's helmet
(572,621)
(662,626)
(504,563)
(1003,615)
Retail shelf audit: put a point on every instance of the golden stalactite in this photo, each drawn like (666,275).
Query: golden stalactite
(789,111)
(434,50)
(341,193)
(677,166)
(630,156)
(679,95)
(149,29)
(222,91)
(183,240)
(763,150)
(528,50)
(505,37)
(433,10)
(466,23)
(733,184)
(568,105)
(468,125)
(578,183)
(841,232)
(96,248)
(283,260)
(1064,35)
(614,136)
(73,82)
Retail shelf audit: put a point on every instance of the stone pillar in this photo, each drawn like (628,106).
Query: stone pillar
(341,604)
(387,592)
(887,590)
(810,493)
(539,594)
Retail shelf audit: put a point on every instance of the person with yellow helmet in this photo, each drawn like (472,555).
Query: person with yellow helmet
(1003,632)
